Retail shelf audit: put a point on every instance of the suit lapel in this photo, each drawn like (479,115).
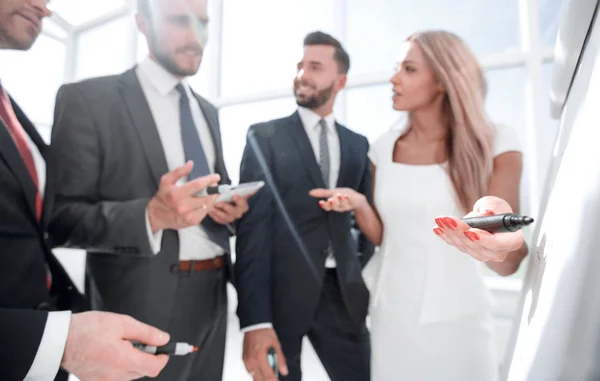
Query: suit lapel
(12,157)
(143,122)
(345,155)
(305,149)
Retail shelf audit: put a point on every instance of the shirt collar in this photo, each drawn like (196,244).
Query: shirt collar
(163,81)
(310,119)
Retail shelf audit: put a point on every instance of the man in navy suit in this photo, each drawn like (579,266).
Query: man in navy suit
(298,268)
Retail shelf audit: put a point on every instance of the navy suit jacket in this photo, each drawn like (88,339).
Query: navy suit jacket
(282,240)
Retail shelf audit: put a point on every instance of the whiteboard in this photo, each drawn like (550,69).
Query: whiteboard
(556,335)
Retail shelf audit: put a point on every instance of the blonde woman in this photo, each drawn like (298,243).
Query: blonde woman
(430,309)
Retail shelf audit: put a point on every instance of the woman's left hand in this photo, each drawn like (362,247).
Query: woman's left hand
(480,244)
(340,199)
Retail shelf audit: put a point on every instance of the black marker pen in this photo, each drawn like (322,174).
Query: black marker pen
(273,363)
(173,349)
(499,223)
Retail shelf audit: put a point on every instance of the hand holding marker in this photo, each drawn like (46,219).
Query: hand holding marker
(172,349)
(499,223)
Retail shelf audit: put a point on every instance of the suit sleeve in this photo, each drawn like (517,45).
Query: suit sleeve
(365,247)
(79,219)
(254,231)
(21,332)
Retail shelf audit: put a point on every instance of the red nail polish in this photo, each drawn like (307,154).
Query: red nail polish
(331,202)
(489,213)
(439,222)
(449,222)
(472,236)
(438,231)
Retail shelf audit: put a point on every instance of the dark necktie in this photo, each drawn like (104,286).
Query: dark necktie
(324,162)
(192,147)
(325,165)
(193,150)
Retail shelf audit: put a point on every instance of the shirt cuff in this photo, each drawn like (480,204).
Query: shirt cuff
(52,346)
(155,239)
(255,327)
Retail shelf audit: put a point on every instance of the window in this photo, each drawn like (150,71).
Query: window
(33,77)
(52,28)
(506,106)
(370,110)
(376,28)
(77,12)
(105,49)
(235,121)
(549,18)
(262,41)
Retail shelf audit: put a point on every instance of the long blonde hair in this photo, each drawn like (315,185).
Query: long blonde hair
(470,139)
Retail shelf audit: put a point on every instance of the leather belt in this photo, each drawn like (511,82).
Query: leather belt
(202,265)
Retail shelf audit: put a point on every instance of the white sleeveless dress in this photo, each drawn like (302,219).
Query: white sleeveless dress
(430,309)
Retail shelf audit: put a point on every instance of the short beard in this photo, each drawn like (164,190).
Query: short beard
(170,65)
(9,41)
(317,100)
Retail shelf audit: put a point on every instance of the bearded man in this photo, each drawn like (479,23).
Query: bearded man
(129,155)
(298,268)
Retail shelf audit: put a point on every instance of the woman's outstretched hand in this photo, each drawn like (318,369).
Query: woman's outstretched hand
(480,244)
(340,199)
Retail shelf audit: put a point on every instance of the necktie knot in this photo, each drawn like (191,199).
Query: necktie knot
(323,124)
(181,90)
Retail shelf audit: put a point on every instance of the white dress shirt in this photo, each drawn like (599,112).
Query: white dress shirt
(310,121)
(49,355)
(50,352)
(158,86)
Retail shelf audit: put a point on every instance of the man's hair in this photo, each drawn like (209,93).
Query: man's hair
(340,55)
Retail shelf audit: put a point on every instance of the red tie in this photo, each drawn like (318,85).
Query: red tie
(19,136)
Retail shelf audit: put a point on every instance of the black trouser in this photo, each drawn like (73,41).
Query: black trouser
(199,318)
(343,346)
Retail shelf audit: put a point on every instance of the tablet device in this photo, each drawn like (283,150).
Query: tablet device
(226,192)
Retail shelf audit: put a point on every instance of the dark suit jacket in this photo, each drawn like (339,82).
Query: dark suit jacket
(23,248)
(278,273)
(21,332)
(106,161)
